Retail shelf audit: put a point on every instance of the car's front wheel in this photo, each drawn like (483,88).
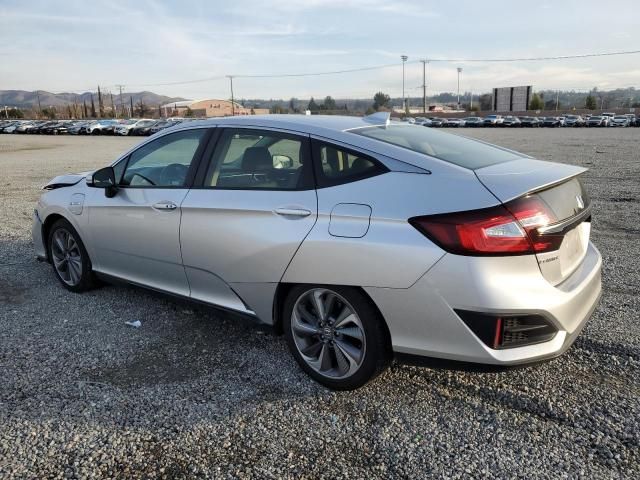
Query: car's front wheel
(69,257)
(336,335)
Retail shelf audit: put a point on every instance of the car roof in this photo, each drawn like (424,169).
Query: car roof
(299,123)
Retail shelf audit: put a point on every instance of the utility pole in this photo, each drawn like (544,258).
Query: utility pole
(113,106)
(459,72)
(39,106)
(120,87)
(100,104)
(233,105)
(424,85)
(404,99)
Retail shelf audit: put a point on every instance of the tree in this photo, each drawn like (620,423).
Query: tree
(141,108)
(590,102)
(551,105)
(292,105)
(86,113)
(13,113)
(381,100)
(188,113)
(313,106)
(100,103)
(50,112)
(329,103)
(277,109)
(486,102)
(93,107)
(536,102)
(131,103)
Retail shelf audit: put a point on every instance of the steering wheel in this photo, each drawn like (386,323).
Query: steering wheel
(173,175)
(133,181)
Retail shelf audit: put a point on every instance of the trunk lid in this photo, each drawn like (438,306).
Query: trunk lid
(560,189)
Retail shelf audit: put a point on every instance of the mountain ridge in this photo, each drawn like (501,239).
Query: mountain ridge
(29,99)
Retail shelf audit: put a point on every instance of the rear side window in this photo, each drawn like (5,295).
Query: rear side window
(451,148)
(335,165)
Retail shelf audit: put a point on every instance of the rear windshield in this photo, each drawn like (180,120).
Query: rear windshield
(455,149)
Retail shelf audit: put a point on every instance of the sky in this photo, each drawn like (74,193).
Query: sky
(73,46)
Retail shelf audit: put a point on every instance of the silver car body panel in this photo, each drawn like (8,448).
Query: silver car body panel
(422,320)
(369,260)
(145,246)
(238,236)
(234,247)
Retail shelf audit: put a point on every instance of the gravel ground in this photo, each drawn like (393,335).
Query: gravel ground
(197,393)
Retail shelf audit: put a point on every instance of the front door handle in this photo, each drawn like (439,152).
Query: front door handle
(293,212)
(165,206)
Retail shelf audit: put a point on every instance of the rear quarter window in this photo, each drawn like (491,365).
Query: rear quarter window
(451,148)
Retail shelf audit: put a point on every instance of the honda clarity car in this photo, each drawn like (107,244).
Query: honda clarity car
(360,239)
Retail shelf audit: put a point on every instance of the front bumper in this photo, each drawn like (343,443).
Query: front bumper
(36,234)
(422,321)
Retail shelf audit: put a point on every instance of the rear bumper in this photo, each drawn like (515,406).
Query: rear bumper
(422,321)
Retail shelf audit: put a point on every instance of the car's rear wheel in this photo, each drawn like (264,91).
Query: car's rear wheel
(336,335)
(69,257)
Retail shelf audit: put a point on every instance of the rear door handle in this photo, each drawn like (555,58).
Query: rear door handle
(164,206)
(293,212)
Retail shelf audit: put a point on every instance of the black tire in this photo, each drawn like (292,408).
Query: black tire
(377,354)
(87,278)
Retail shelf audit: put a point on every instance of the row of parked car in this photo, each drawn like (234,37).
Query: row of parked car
(134,126)
(567,120)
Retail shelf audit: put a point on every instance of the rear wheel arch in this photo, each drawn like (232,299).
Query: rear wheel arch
(283,290)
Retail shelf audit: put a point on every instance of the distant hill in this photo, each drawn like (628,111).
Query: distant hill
(24,99)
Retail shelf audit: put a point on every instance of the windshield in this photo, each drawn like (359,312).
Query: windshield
(455,149)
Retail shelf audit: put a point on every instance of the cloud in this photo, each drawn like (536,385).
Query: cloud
(74,44)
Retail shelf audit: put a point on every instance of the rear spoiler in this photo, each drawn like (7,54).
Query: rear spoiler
(519,177)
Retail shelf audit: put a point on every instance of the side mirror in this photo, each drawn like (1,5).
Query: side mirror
(282,161)
(104,178)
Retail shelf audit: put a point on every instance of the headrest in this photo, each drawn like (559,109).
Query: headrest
(360,164)
(256,159)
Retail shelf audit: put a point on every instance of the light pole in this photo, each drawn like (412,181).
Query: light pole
(424,85)
(233,106)
(459,72)
(404,99)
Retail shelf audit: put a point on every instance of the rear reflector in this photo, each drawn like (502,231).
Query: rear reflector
(508,331)
(510,229)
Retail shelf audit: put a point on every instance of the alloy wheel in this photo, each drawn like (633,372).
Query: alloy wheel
(67,257)
(328,333)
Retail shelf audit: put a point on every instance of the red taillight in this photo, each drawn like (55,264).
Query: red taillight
(503,230)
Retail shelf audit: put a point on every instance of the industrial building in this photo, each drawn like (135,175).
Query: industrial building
(208,108)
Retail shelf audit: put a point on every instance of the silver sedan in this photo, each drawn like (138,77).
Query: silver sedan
(360,239)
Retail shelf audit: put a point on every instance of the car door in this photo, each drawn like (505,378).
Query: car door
(135,234)
(254,206)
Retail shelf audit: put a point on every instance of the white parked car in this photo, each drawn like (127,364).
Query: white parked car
(127,127)
(619,121)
